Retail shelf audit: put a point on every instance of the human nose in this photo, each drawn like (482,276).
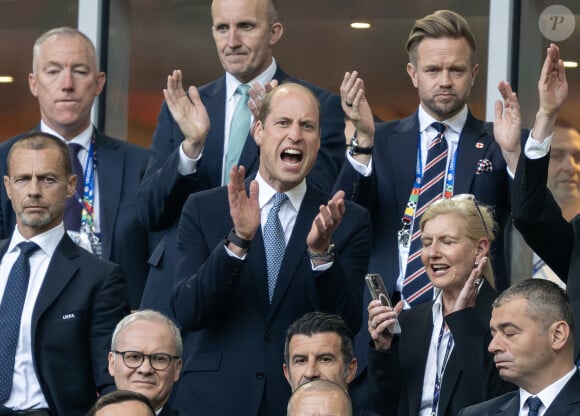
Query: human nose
(311,371)
(570,164)
(34,187)
(295,132)
(67,81)
(494,345)
(444,78)
(233,38)
(145,366)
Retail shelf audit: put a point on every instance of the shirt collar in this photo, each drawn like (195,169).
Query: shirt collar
(232,82)
(549,393)
(84,138)
(47,241)
(455,123)
(266,192)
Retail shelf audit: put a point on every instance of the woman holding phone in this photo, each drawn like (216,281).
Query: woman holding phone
(440,363)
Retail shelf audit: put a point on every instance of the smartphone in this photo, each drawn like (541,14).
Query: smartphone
(378,291)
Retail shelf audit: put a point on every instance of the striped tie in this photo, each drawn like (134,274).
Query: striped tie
(417,287)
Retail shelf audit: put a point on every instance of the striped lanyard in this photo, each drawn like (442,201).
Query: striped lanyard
(439,374)
(411,208)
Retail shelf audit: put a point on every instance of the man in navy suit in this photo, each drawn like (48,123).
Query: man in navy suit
(65,80)
(385,162)
(72,299)
(238,302)
(191,140)
(533,346)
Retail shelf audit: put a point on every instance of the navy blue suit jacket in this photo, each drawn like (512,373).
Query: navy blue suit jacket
(238,343)
(120,167)
(539,218)
(80,301)
(386,192)
(566,403)
(164,191)
(395,377)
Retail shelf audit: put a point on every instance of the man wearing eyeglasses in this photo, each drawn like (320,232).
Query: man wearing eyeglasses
(145,357)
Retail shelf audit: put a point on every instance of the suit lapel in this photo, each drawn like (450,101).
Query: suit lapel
(110,167)
(296,248)
(511,407)
(404,159)
(567,400)
(214,99)
(473,144)
(61,269)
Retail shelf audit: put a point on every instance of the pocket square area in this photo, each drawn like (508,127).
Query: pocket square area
(484,166)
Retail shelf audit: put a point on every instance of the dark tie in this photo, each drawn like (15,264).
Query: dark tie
(274,242)
(73,208)
(238,130)
(417,288)
(534,405)
(10,314)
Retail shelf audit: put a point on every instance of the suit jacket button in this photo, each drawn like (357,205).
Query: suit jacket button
(259,375)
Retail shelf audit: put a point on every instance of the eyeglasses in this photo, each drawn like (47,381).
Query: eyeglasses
(158,361)
(469,197)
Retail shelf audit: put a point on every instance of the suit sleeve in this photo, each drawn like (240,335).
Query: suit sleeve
(538,217)
(385,380)
(163,191)
(109,307)
(198,297)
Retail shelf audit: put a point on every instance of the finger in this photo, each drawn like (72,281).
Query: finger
(194,96)
(498,110)
(271,85)
(254,191)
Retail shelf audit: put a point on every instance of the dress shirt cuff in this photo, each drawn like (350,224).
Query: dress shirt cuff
(322,267)
(187,166)
(234,255)
(361,168)
(535,149)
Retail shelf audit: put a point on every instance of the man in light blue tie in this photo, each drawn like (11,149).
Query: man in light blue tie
(257,255)
(532,324)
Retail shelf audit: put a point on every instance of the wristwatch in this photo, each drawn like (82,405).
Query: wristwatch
(355,149)
(237,240)
(327,256)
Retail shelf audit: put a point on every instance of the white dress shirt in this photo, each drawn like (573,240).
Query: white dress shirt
(26,392)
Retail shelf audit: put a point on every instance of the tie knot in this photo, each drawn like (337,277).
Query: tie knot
(28,247)
(243,90)
(534,404)
(440,127)
(279,199)
(74,148)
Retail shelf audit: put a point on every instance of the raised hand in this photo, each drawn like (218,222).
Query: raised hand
(507,125)
(244,209)
(381,321)
(325,223)
(188,112)
(356,108)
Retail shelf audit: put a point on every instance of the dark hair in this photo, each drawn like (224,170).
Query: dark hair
(119,396)
(37,140)
(547,302)
(317,322)
(441,24)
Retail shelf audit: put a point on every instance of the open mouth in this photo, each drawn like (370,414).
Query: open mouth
(439,268)
(292,156)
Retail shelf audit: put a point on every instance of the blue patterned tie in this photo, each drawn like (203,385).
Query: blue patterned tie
(238,131)
(417,288)
(73,209)
(10,314)
(274,242)
(534,404)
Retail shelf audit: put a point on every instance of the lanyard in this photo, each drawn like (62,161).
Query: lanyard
(88,201)
(411,208)
(439,374)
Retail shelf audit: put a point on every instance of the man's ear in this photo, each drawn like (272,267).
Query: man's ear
(351,371)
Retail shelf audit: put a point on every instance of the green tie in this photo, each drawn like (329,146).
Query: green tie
(238,131)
